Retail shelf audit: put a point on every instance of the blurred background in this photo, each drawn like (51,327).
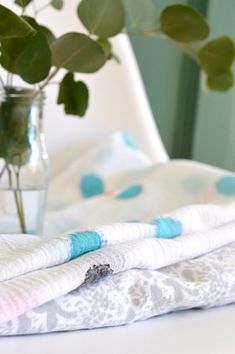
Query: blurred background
(193,121)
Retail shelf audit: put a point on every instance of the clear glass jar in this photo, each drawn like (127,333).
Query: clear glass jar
(23,161)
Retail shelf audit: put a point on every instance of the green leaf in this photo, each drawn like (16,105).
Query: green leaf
(12,25)
(15,129)
(6,60)
(23,3)
(76,52)
(57,4)
(103,18)
(222,82)
(48,34)
(74,95)
(29,57)
(140,15)
(183,23)
(106,46)
(217,56)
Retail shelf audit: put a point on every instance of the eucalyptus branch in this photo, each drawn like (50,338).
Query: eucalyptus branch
(53,83)
(23,7)
(2,82)
(3,170)
(18,207)
(182,45)
(145,33)
(42,8)
(9,78)
(52,74)
(20,199)
(156,33)
(34,9)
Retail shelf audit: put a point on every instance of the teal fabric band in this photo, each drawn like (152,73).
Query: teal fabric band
(83,242)
(168,228)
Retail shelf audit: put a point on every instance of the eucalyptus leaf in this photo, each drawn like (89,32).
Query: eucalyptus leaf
(217,56)
(106,46)
(222,82)
(104,18)
(74,95)
(76,52)
(6,59)
(28,57)
(57,4)
(140,15)
(183,23)
(14,131)
(47,33)
(23,3)
(12,25)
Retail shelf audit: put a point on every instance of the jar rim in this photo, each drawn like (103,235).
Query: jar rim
(14,92)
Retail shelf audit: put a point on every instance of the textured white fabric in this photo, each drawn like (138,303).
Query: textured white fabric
(144,216)
(134,295)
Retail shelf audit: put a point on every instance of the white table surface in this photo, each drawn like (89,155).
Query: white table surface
(190,332)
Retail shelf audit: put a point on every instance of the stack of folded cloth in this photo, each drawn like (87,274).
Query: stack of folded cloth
(125,241)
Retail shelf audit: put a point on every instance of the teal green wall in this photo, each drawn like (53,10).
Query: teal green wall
(214,136)
(160,64)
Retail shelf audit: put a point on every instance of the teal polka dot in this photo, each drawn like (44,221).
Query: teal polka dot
(226,185)
(128,141)
(91,185)
(131,192)
(168,228)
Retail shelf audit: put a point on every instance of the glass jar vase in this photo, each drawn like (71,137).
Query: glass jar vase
(23,161)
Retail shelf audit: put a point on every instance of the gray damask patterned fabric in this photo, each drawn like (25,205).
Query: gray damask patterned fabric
(134,295)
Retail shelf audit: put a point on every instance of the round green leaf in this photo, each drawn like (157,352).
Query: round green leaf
(29,57)
(222,82)
(74,95)
(183,23)
(57,4)
(8,53)
(76,52)
(103,18)
(48,34)
(12,25)
(23,3)
(217,56)
(106,46)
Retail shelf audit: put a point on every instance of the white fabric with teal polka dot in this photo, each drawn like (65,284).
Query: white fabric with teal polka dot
(111,211)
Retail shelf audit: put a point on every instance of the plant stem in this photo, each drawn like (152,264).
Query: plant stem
(182,45)
(23,7)
(2,82)
(3,170)
(53,74)
(19,208)
(34,9)
(146,33)
(21,204)
(156,33)
(9,79)
(42,8)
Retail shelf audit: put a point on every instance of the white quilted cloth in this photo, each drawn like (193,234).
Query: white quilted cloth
(114,223)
